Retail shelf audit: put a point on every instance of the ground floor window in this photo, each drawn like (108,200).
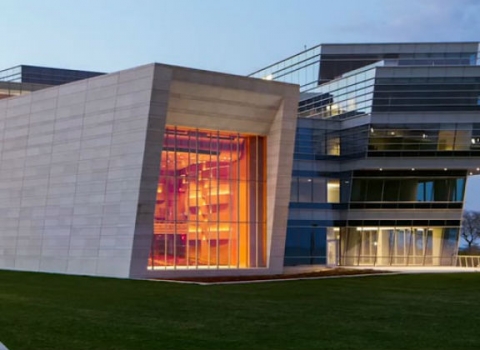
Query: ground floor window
(210,208)
(306,245)
(402,246)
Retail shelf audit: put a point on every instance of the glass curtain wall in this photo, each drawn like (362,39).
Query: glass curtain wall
(402,246)
(426,94)
(424,140)
(301,69)
(306,246)
(314,190)
(346,97)
(315,141)
(408,189)
(210,209)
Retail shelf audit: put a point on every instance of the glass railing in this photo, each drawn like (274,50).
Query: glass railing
(468,260)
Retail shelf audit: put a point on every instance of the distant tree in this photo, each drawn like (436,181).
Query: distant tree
(471,229)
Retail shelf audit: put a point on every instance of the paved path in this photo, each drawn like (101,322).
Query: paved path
(2,347)
(419,269)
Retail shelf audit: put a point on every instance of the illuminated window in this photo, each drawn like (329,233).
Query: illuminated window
(446,140)
(402,246)
(333,191)
(333,146)
(210,210)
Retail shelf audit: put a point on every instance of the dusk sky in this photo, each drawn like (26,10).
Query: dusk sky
(230,36)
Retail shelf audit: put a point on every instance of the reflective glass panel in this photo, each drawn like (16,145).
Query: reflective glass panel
(210,208)
(402,246)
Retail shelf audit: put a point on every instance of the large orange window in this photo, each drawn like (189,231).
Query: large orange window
(210,209)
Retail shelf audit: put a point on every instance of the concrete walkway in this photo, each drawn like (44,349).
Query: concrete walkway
(2,347)
(419,269)
(400,269)
(289,274)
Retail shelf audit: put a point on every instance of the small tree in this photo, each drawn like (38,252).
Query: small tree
(470,228)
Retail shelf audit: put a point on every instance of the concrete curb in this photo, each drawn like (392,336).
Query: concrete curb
(287,279)
(385,272)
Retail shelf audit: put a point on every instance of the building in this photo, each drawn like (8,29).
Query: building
(149,172)
(163,171)
(24,79)
(386,137)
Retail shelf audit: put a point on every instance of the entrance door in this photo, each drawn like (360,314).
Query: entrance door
(332,252)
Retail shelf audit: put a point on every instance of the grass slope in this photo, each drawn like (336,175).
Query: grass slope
(438,311)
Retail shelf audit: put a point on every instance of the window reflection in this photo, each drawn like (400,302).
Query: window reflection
(408,190)
(408,138)
(403,246)
(305,246)
(210,209)
(315,190)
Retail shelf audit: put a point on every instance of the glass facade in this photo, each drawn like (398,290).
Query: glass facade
(313,67)
(352,107)
(54,76)
(408,189)
(398,245)
(348,96)
(306,246)
(24,79)
(316,140)
(424,140)
(315,190)
(44,75)
(427,94)
(13,74)
(301,69)
(210,210)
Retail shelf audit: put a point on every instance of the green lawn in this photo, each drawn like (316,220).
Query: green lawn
(42,311)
